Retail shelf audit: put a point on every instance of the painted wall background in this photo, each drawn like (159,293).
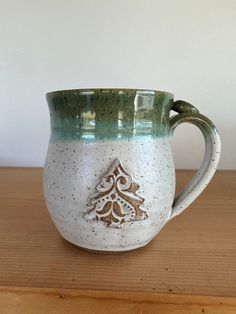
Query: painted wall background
(187,47)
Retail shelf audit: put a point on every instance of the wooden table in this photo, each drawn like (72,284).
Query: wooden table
(190,267)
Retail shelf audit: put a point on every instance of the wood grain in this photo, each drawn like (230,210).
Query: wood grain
(64,301)
(194,254)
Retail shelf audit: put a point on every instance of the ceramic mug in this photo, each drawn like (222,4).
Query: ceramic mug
(109,177)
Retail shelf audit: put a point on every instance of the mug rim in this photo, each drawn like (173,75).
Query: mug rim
(124,91)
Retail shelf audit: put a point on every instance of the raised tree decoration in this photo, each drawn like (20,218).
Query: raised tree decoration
(116,200)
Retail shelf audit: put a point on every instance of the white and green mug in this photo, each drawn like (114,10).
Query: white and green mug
(109,177)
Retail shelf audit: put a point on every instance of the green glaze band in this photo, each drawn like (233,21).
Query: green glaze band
(98,114)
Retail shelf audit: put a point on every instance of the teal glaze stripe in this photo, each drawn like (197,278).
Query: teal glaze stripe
(85,136)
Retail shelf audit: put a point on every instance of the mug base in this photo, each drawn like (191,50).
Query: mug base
(109,252)
(104,252)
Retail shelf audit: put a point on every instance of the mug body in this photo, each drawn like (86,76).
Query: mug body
(109,178)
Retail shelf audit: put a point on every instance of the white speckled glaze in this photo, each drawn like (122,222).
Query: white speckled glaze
(74,169)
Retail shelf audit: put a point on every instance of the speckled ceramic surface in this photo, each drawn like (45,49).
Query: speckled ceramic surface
(109,178)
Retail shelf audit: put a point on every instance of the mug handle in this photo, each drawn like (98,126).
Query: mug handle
(188,113)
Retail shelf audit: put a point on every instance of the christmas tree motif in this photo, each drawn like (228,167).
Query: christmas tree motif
(116,200)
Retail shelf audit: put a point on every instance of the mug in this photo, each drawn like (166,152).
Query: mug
(109,176)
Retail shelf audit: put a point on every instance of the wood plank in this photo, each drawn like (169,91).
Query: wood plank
(41,301)
(195,254)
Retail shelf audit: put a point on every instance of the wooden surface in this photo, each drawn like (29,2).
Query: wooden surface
(68,301)
(190,267)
